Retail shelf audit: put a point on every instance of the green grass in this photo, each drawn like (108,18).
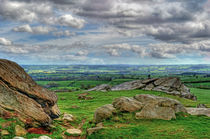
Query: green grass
(203,95)
(192,127)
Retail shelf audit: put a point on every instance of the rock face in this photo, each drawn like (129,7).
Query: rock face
(145,106)
(199,111)
(169,85)
(21,97)
(103,87)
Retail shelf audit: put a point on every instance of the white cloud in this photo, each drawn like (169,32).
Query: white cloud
(4,41)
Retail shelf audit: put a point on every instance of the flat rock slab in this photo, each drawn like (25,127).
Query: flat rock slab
(199,111)
(21,97)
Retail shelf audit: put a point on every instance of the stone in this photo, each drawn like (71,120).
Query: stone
(103,87)
(161,102)
(4,132)
(21,97)
(201,106)
(74,131)
(149,87)
(129,86)
(44,137)
(20,131)
(84,96)
(94,129)
(126,104)
(199,111)
(151,111)
(68,117)
(104,112)
(18,138)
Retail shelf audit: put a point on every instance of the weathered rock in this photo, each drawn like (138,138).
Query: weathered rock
(199,111)
(20,131)
(74,131)
(4,132)
(169,85)
(84,96)
(129,85)
(68,117)
(103,87)
(161,102)
(44,137)
(201,106)
(20,96)
(126,104)
(104,112)
(151,111)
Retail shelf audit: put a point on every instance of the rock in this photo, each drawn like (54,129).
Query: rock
(18,138)
(158,107)
(201,106)
(84,96)
(103,87)
(169,85)
(126,104)
(74,131)
(129,86)
(104,112)
(151,111)
(4,132)
(92,130)
(20,131)
(44,137)
(99,124)
(68,117)
(161,101)
(199,111)
(21,97)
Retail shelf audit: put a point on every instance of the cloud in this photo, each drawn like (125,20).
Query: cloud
(34,30)
(5,42)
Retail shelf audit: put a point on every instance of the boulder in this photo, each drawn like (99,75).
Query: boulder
(68,117)
(74,131)
(169,85)
(94,129)
(44,137)
(129,86)
(20,131)
(199,111)
(126,104)
(21,97)
(104,112)
(103,87)
(152,111)
(4,133)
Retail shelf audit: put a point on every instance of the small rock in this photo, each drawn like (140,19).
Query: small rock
(68,117)
(92,130)
(126,104)
(20,131)
(74,131)
(18,138)
(199,111)
(201,106)
(99,125)
(62,98)
(44,137)
(104,112)
(7,124)
(4,132)
(75,107)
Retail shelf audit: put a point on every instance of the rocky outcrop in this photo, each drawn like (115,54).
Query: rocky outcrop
(103,87)
(169,85)
(199,111)
(21,97)
(145,106)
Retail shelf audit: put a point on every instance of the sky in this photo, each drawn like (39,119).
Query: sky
(104,32)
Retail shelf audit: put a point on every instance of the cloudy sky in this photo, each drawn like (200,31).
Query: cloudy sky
(139,32)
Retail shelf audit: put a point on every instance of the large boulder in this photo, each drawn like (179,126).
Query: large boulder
(103,87)
(126,104)
(169,85)
(104,112)
(137,84)
(20,96)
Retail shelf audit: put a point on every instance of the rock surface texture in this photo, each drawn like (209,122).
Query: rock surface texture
(169,85)
(21,97)
(145,106)
(199,111)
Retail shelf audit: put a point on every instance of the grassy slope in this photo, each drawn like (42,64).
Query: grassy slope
(124,127)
